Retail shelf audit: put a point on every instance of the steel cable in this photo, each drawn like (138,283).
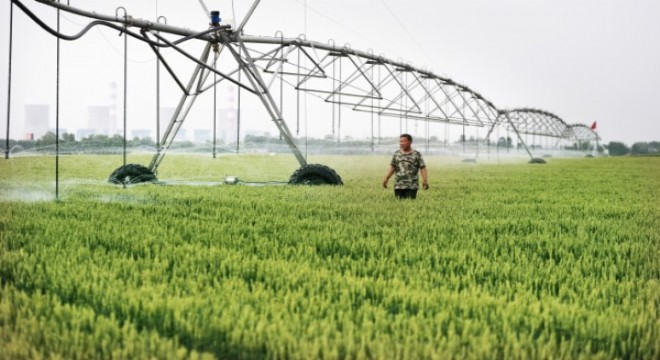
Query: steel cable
(92,24)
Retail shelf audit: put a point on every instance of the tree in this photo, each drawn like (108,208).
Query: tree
(616,148)
(146,141)
(255,139)
(582,145)
(68,138)
(116,140)
(505,142)
(97,140)
(47,140)
(640,148)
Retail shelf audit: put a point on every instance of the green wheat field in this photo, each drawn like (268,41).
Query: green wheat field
(498,260)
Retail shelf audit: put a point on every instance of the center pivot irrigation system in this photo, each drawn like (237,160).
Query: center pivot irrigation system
(338,75)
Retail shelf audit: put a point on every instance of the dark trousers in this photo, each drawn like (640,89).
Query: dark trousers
(405,193)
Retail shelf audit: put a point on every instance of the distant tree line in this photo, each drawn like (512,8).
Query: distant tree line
(617,148)
(68,142)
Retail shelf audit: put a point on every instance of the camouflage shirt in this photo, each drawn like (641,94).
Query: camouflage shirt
(406,169)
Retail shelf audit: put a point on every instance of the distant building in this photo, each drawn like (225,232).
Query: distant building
(62,130)
(181,135)
(227,115)
(201,136)
(141,133)
(99,119)
(36,120)
(84,133)
(227,124)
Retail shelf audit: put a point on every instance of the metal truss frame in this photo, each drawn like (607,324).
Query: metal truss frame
(365,82)
(542,123)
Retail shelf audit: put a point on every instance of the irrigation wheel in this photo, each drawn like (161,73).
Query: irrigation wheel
(132,174)
(315,174)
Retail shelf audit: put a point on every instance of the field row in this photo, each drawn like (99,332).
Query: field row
(507,261)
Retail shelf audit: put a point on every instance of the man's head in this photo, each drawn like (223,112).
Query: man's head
(405,140)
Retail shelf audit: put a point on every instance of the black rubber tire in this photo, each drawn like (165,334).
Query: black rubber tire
(537,161)
(132,174)
(315,174)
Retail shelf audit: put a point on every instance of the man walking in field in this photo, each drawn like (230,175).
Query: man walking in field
(406,164)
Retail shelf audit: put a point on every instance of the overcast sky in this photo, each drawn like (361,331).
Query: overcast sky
(583,60)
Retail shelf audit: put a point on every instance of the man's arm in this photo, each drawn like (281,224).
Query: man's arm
(425,178)
(390,171)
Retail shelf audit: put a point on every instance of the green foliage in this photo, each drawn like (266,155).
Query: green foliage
(640,148)
(616,148)
(581,145)
(645,148)
(47,140)
(494,261)
(505,142)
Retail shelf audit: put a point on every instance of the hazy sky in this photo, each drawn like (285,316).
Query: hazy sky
(584,60)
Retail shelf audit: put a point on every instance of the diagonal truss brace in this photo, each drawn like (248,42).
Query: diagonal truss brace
(252,73)
(199,76)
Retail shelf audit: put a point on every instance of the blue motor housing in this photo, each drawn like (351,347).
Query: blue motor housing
(215,18)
